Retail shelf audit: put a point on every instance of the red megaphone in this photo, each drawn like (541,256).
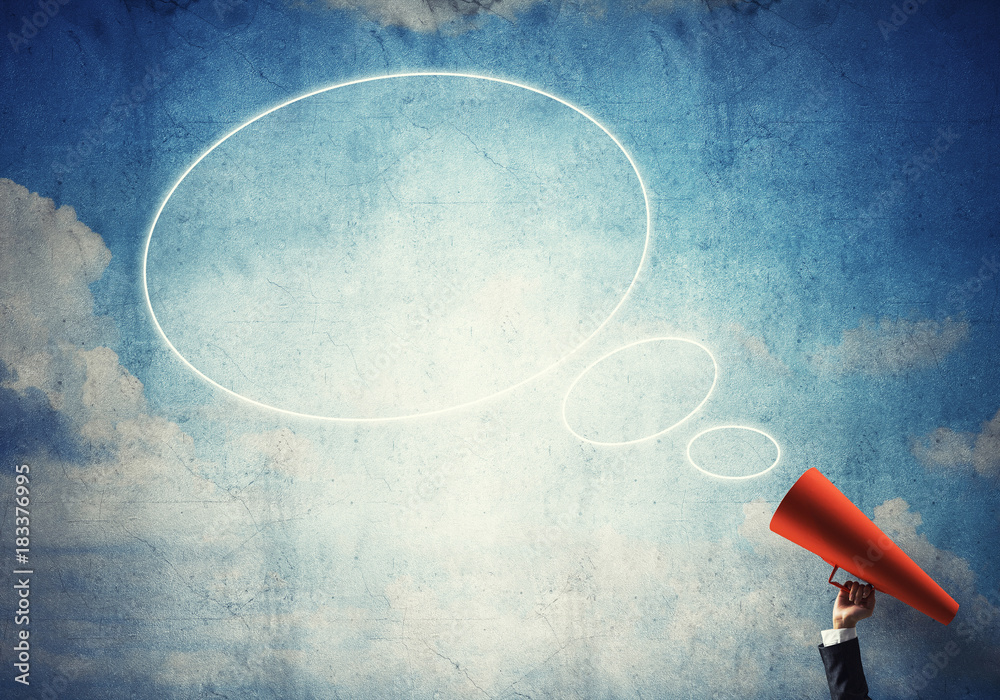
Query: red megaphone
(814,514)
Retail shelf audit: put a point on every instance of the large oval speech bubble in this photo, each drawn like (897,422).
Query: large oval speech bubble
(396,246)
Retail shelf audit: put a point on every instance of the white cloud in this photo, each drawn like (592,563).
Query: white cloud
(591,612)
(110,391)
(602,613)
(52,341)
(947,448)
(135,521)
(47,261)
(953,573)
(893,346)
(281,450)
(758,350)
(434,15)
(431,15)
(599,613)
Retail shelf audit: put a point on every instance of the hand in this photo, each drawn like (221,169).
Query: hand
(853,604)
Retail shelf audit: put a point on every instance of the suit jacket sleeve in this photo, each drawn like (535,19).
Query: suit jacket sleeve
(844,672)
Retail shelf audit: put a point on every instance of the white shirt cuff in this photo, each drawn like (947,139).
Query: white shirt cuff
(844,634)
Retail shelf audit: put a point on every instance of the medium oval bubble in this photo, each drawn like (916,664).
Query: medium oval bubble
(639,391)
(396,246)
(733,452)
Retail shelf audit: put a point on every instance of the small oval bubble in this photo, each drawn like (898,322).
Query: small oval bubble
(733,452)
(639,391)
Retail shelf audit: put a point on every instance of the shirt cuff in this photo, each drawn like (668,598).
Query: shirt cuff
(844,634)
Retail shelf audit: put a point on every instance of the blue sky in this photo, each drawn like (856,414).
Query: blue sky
(799,199)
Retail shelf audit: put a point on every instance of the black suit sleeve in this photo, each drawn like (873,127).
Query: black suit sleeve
(844,672)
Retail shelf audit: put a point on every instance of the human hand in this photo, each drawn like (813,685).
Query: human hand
(854,603)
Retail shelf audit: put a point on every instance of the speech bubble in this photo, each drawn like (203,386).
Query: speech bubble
(396,247)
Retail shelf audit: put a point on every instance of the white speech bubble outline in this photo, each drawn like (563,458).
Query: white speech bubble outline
(733,427)
(209,380)
(715,379)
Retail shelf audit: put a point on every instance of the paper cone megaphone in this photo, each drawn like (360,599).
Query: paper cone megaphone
(817,516)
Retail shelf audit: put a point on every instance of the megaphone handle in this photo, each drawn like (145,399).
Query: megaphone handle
(834,583)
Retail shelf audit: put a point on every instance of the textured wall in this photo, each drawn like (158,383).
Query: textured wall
(471,386)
